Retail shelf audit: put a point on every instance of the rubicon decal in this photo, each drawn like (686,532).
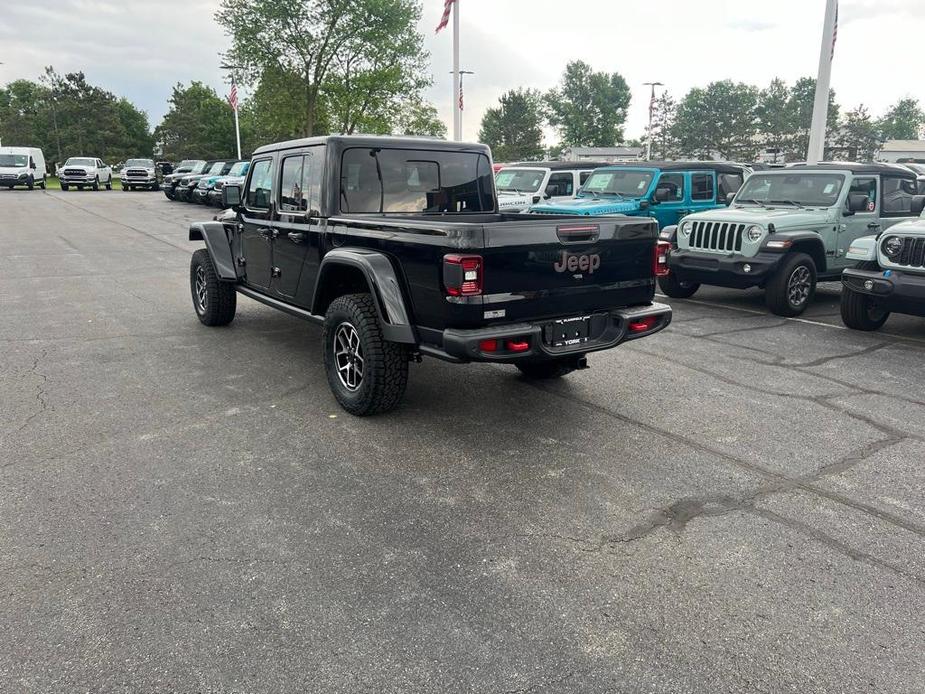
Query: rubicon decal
(578,263)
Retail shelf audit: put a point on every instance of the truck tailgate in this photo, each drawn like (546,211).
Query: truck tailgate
(543,268)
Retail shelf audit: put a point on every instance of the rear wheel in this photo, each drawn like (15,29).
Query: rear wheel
(792,288)
(215,301)
(42,183)
(548,370)
(675,288)
(367,374)
(109,183)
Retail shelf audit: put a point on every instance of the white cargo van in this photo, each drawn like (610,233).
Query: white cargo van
(22,166)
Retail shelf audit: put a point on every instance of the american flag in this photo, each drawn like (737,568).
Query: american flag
(834,32)
(652,105)
(233,96)
(445,20)
(460,93)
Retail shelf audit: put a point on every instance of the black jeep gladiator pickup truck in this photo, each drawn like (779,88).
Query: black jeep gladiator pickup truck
(397,247)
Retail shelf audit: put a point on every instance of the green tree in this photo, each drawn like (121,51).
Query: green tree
(858,137)
(24,114)
(199,124)
(664,143)
(588,108)
(514,128)
(275,112)
(903,121)
(800,109)
(138,140)
(355,59)
(718,120)
(417,117)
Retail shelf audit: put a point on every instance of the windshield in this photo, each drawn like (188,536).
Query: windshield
(519,180)
(629,183)
(806,189)
(14,160)
(415,181)
(217,168)
(198,167)
(80,161)
(145,163)
(239,169)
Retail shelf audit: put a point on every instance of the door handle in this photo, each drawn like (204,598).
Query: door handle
(873,225)
(296,237)
(267,233)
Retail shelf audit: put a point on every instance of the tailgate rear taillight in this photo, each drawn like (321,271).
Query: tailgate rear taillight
(463,275)
(660,259)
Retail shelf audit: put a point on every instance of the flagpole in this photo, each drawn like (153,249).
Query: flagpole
(816,150)
(237,131)
(651,114)
(457,113)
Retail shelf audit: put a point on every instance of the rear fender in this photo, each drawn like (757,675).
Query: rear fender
(216,239)
(863,249)
(381,281)
(669,234)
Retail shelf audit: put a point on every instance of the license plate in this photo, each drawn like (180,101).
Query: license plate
(568,332)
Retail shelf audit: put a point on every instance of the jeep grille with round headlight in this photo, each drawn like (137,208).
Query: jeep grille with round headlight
(893,246)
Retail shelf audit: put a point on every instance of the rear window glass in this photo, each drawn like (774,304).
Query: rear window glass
(415,181)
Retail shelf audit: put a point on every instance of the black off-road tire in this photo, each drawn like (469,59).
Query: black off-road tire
(126,188)
(385,364)
(64,187)
(42,184)
(96,183)
(547,370)
(219,301)
(109,184)
(860,311)
(778,294)
(30,183)
(675,288)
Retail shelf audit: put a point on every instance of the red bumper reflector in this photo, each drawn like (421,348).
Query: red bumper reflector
(488,346)
(518,345)
(643,324)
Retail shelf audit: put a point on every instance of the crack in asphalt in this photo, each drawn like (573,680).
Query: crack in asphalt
(40,398)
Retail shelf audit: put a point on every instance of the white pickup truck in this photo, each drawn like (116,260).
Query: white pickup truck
(520,186)
(85,172)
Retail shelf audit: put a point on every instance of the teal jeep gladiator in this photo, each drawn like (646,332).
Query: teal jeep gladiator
(889,277)
(786,230)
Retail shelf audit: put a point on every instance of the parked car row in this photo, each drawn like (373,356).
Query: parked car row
(201,181)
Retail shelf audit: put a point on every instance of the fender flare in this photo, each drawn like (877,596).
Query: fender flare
(863,249)
(798,237)
(670,234)
(216,239)
(383,285)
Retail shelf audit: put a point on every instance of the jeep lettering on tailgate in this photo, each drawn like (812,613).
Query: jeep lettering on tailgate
(578,263)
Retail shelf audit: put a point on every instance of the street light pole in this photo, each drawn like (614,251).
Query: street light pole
(651,114)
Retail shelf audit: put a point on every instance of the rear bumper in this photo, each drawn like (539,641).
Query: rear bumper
(723,270)
(612,329)
(899,292)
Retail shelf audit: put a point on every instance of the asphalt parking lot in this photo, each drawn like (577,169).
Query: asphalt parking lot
(735,505)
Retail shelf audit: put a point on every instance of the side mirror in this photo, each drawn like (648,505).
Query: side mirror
(729,198)
(857,202)
(918,204)
(662,195)
(551,190)
(231,197)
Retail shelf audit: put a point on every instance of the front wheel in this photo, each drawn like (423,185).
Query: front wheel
(367,374)
(793,287)
(675,288)
(109,183)
(861,312)
(30,183)
(64,187)
(215,301)
(96,183)
(548,370)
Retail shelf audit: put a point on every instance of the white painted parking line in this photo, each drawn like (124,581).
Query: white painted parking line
(795,320)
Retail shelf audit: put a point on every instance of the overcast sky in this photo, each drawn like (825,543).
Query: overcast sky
(141,49)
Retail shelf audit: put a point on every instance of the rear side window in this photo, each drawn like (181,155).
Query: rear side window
(897,196)
(291,193)
(415,181)
(729,183)
(260,186)
(702,186)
